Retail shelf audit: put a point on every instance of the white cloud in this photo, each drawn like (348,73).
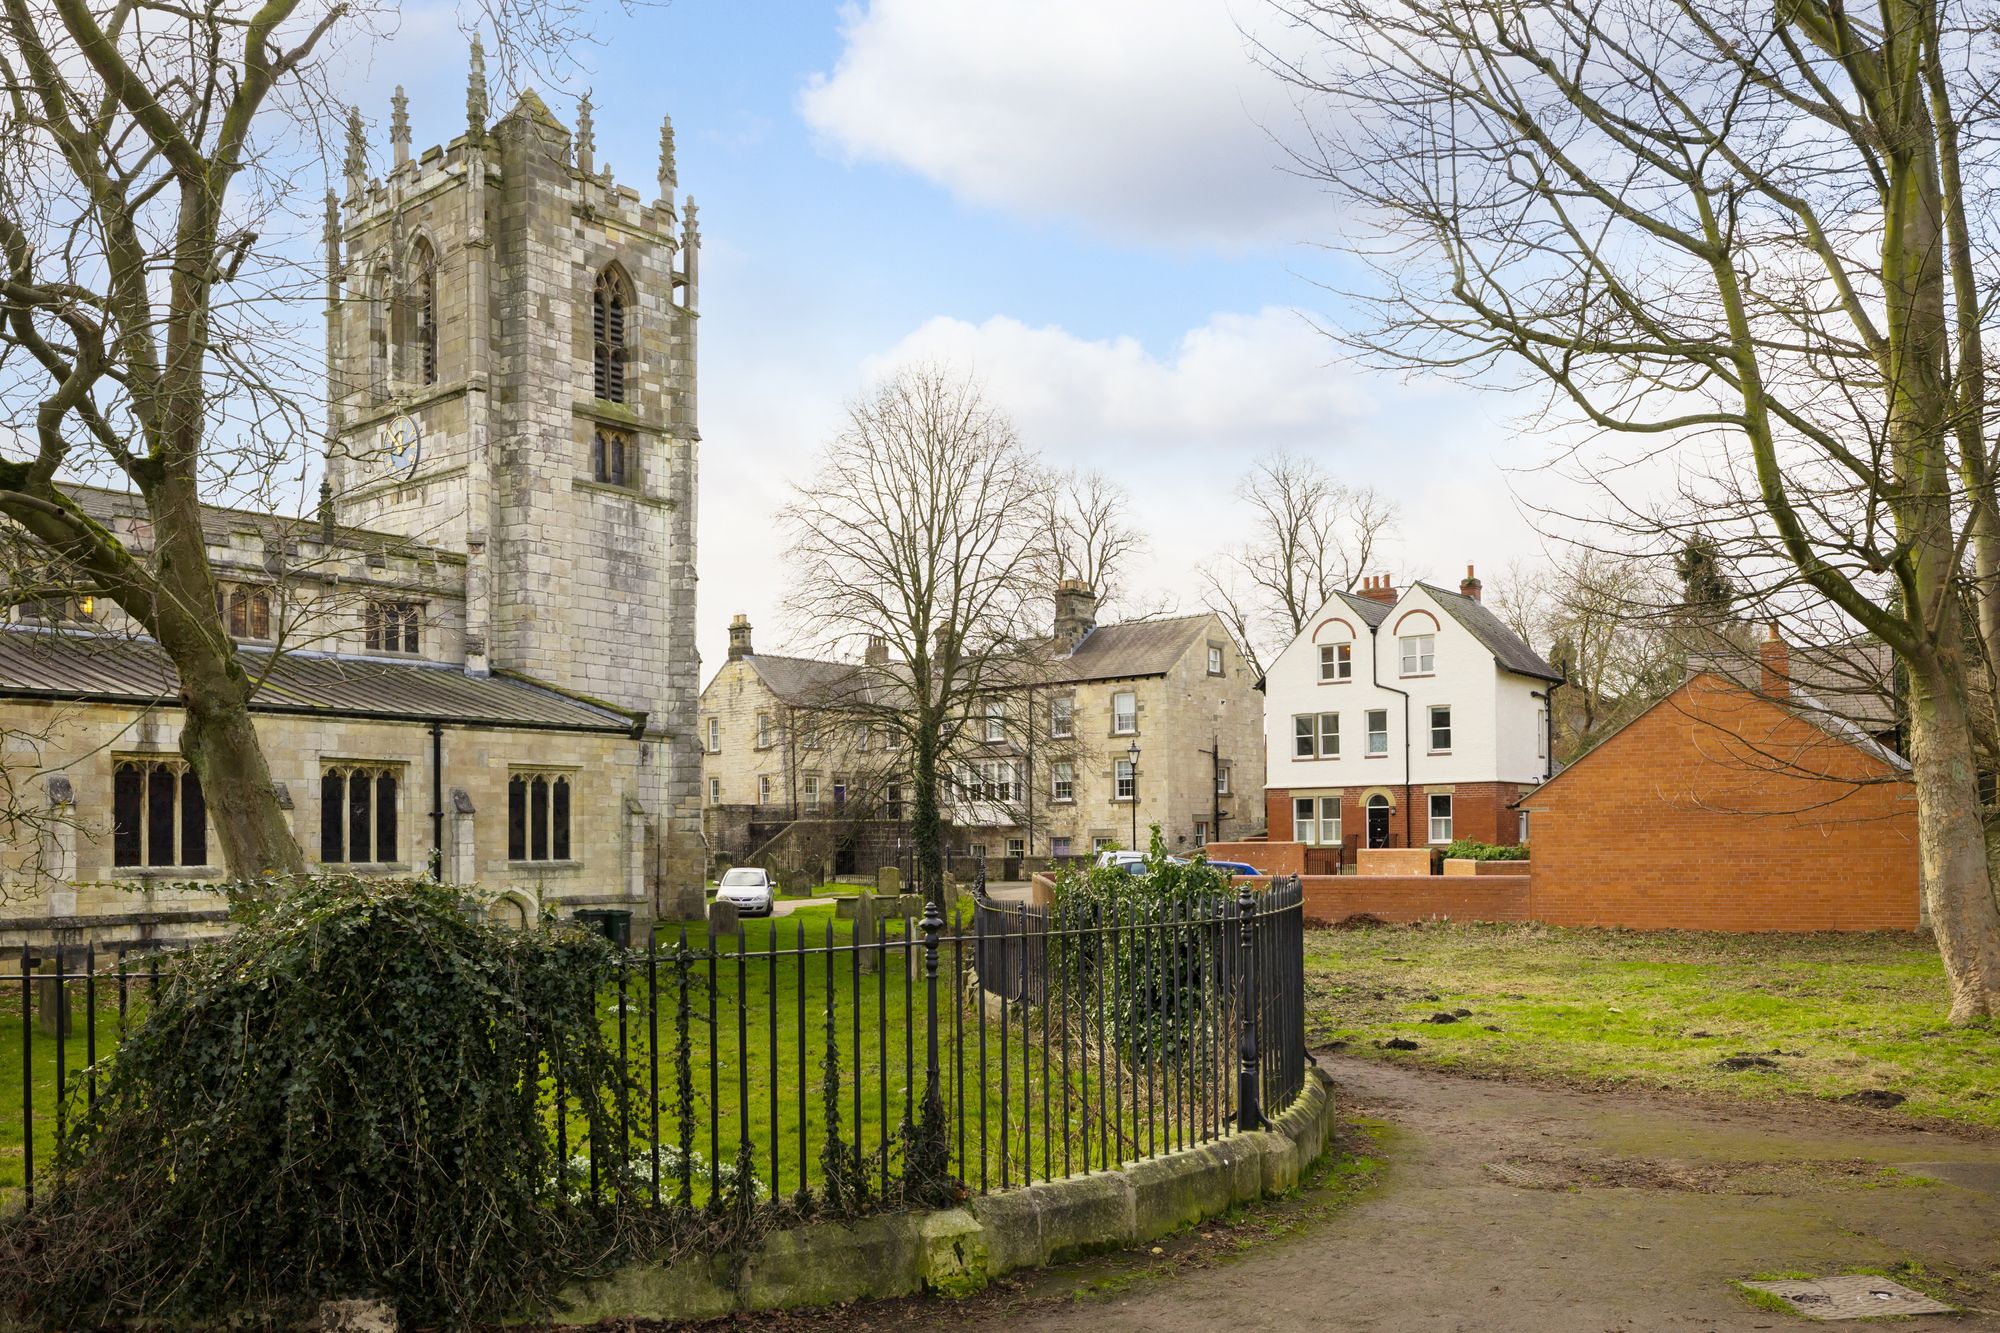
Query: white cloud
(1145,119)
(1177,428)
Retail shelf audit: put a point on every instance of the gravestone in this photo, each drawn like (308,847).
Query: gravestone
(888,879)
(52,1002)
(724,919)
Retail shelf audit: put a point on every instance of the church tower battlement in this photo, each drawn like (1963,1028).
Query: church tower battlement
(510,340)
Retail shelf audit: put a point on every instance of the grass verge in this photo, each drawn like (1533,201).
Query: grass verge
(1824,1016)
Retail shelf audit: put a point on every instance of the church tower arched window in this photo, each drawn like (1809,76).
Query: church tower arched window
(378,333)
(422,298)
(609,302)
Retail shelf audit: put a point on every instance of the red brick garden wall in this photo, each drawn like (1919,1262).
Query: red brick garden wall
(1718,810)
(1401,899)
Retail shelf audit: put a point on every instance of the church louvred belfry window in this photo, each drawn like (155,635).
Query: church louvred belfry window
(423,312)
(609,303)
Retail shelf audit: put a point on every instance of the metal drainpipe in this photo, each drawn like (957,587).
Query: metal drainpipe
(437,802)
(1375,679)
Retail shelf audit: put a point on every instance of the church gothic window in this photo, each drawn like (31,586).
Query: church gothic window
(609,303)
(357,814)
(378,333)
(248,611)
(392,627)
(611,458)
(538,817)
(158,816)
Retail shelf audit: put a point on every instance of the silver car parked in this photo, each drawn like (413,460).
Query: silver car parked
(749,888)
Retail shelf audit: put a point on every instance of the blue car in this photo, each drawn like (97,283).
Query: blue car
(1236,867)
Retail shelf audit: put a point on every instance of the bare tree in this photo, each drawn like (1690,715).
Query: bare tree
(1087,534)
(1756,244)
(1315,537)
(918,531)
(1598,620)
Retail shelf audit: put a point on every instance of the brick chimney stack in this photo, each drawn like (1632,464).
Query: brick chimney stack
(1377,587)
(739,637)
(1470,586)
(1774,658)
(1076,612)
(877,652)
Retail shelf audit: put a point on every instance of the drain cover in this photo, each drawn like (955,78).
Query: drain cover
(1533,1175)
(1857,1297)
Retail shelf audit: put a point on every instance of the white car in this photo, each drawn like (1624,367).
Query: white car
(1133,863)
(748,888)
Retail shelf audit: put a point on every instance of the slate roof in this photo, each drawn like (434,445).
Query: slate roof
(809,681)
(1135,648)
(1509,649)
(99,668)
(1368,608)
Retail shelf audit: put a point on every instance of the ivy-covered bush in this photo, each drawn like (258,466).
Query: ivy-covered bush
(1138,941)
(1471,849)
(346,1097)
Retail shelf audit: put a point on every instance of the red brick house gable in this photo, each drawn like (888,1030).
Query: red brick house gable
(1717,809)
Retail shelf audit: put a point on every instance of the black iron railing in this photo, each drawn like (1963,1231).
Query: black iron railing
(798,1065)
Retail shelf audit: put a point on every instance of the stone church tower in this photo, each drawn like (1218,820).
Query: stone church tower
(511,365)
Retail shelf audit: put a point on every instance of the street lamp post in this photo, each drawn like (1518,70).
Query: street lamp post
(1133,755)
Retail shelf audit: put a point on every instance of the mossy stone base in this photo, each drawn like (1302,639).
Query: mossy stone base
(956,1251)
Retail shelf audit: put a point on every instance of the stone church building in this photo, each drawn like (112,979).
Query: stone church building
(478,657)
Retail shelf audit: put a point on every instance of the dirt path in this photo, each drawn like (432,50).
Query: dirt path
(1653,1205)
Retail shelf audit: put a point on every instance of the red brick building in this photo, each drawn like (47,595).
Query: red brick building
(1727,808)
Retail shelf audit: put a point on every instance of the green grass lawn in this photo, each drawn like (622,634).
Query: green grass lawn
(1029,1129)
(1832,1014)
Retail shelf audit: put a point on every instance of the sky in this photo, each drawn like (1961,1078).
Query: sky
(1084,205)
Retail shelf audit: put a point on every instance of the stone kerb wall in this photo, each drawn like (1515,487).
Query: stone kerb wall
(957,1251)
(1402,899)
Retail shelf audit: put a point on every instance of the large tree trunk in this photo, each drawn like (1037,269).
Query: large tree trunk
(217,736)
(1951,838)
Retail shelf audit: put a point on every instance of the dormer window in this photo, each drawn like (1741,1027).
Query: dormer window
(1419,654)
(608,305)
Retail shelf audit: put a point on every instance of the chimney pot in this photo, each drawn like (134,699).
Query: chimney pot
(1774,660)
(877,652)
(1378,588)
(1470,586)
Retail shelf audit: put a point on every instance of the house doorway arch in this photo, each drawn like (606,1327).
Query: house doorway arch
(1377,810)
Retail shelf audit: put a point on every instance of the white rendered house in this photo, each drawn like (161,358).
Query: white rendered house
(1400,719)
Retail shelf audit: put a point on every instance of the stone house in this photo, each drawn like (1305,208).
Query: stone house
(1045,772)
(479,656)
(1404,719)
(1731,804)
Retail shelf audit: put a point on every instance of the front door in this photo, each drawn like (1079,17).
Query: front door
(1378,822)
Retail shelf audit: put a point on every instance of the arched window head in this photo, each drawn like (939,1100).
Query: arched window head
(423,312)
(609,302)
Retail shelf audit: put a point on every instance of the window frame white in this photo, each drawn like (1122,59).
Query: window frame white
(1418,653)
(809,791)
(1124,723)
(996,721)
(1336,663)
(1215,662)
(1431,809)
(1124,776)
(1062,717)
(715,791)
(1377,751)
(1062,782)
(1435,711)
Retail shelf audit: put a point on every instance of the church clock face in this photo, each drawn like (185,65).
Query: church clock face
(402,445)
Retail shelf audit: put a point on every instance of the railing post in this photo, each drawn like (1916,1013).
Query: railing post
(933,926)
(1248,1113)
